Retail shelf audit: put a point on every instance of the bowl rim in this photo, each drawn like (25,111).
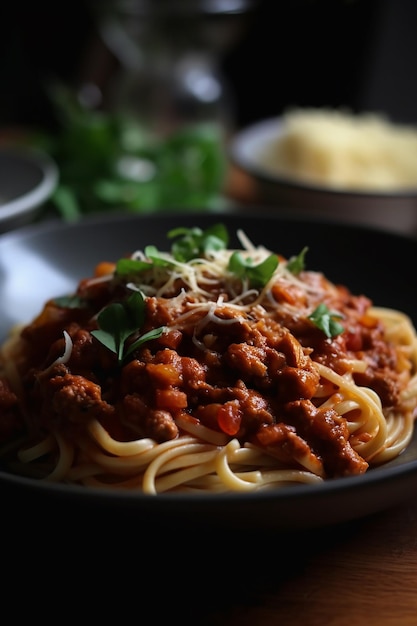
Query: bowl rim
(299,506)
(243,155)
(30,200)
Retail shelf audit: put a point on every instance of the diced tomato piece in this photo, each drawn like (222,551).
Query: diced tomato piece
(229,418)
(171,399)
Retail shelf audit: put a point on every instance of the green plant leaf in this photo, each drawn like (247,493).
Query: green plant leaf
(257,275)
(118,321)
(195,242)
(110,160)
(72,301)
(326,320)
(296,264)
(151,334)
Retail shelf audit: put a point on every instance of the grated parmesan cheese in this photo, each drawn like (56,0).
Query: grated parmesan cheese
(343,150)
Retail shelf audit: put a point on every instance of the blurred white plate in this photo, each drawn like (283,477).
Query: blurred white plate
(27,179)
(394,211)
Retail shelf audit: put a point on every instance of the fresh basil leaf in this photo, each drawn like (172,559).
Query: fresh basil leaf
(194,242)
(152,253)
(152,334)
(107,339)
(118,321)
(326,320)
(296,264)
(257,275)
(113,328)
(70,302)
(130,267)
(135,311)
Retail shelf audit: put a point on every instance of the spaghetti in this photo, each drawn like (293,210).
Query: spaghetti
(206,369)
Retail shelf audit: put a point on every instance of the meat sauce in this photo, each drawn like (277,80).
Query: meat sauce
(249,375)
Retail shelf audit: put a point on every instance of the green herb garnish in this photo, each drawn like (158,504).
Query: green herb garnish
(325,320)
(111,159)
(193,243)
(118,321)
(153,254)
(256,275)
(70,302)
(131,267)
(296,264)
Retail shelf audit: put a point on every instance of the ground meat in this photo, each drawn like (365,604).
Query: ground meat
(327,434)
(157,424)
(70,398)
(249,372)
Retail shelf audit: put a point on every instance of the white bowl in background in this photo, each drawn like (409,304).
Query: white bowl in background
(395,211)
(27,179)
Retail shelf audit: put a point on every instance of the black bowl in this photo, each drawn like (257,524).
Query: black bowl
(42,261)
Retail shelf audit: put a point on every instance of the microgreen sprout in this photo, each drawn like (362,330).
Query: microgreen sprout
(326,320)
(72,301)
(131,267)
(195,242)
(296,264)
(256,275)
(118,321)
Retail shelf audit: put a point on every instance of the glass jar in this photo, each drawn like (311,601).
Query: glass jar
(169,53)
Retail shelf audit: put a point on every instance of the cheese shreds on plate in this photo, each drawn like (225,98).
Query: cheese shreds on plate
(343,150)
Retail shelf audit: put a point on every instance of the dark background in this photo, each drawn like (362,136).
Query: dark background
(359,54)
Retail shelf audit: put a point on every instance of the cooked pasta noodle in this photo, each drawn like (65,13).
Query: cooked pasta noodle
(207,369)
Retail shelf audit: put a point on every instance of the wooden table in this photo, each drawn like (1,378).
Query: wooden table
(360,574)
